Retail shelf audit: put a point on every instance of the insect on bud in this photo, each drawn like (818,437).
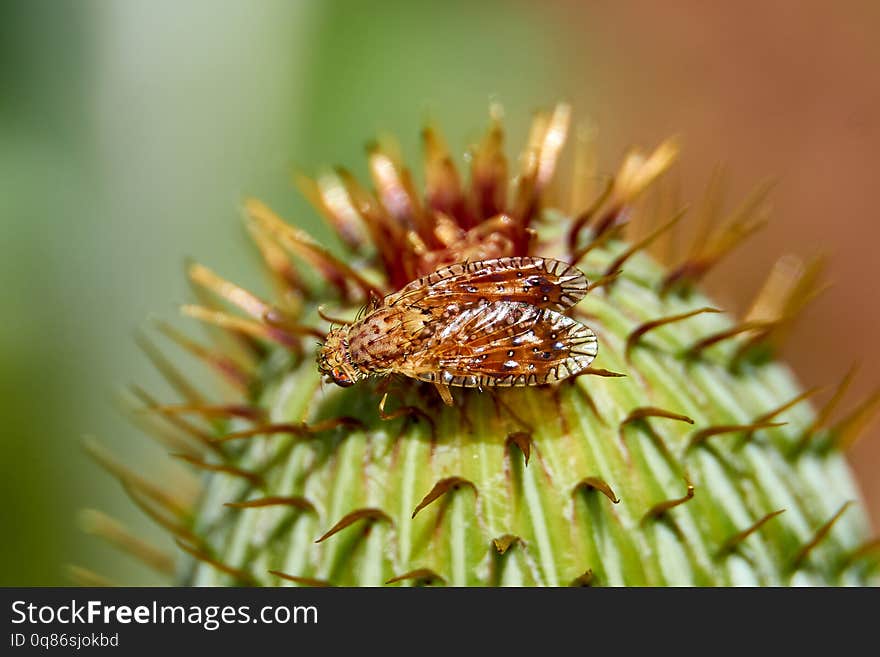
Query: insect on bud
(669,464)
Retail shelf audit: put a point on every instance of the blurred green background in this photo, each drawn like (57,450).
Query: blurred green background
(130,132)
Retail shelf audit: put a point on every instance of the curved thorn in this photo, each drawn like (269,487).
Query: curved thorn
(589,371)
(661,508)
(236,573)
(586,216)
(503,543)
(370,514)
(411,411)
(421,575)
(252,477)
(114,532)
(596,483)
(846,432)
(637,333)
(297,502)
(281,327)
(701,345)
(619,261)
(818,537)
(170,373)
(229,369)
(702,435)
(643,412)
(211,410)
(734,541)
(300,429)
(130,479)
(826,411)
(88,578)
(868,549)
(597,243)
(303,581)
(605,281)
(178,422)
(586,579)
(789,404)
(241,325)
(332,320)
(441,488)
(523,441)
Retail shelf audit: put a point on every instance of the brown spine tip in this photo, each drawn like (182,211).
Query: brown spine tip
(596,483)
(135,482)
(244,411)
(660,509)
(409,411)
(296,502)
(711,247)
(237,574)
(251,477)
(846,433)
(821,533)
(156,427)
(231,370)
(87,578)
(733,543)
(114,532)
(769,415)
(171,374)
(441,488)
(371,515)
(643,412)
(161,516)
(699,437)
(607,280)
(825,412)
(322,313)
(789,288)
(584,580)
(583,219)
(503,543)
(188,428)
(285,334)
(302,581)
(870,550)
(695,350)
(617,264)
(298,429)
(590,371)
(424,576)
(638,333)
(523,441)
(597,242)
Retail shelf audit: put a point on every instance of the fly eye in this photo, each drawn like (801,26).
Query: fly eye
(340,378)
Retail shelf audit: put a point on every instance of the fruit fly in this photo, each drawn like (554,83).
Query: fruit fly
(472,324)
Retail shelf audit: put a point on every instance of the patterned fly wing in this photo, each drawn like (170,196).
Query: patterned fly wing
(541,282)
(501,343)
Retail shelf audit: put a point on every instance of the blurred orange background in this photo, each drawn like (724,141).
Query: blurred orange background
(130,132)
(787,90)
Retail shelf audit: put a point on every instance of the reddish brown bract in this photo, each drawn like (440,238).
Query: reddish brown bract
(472,324)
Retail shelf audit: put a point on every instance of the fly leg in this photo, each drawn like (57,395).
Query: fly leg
(445,393)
